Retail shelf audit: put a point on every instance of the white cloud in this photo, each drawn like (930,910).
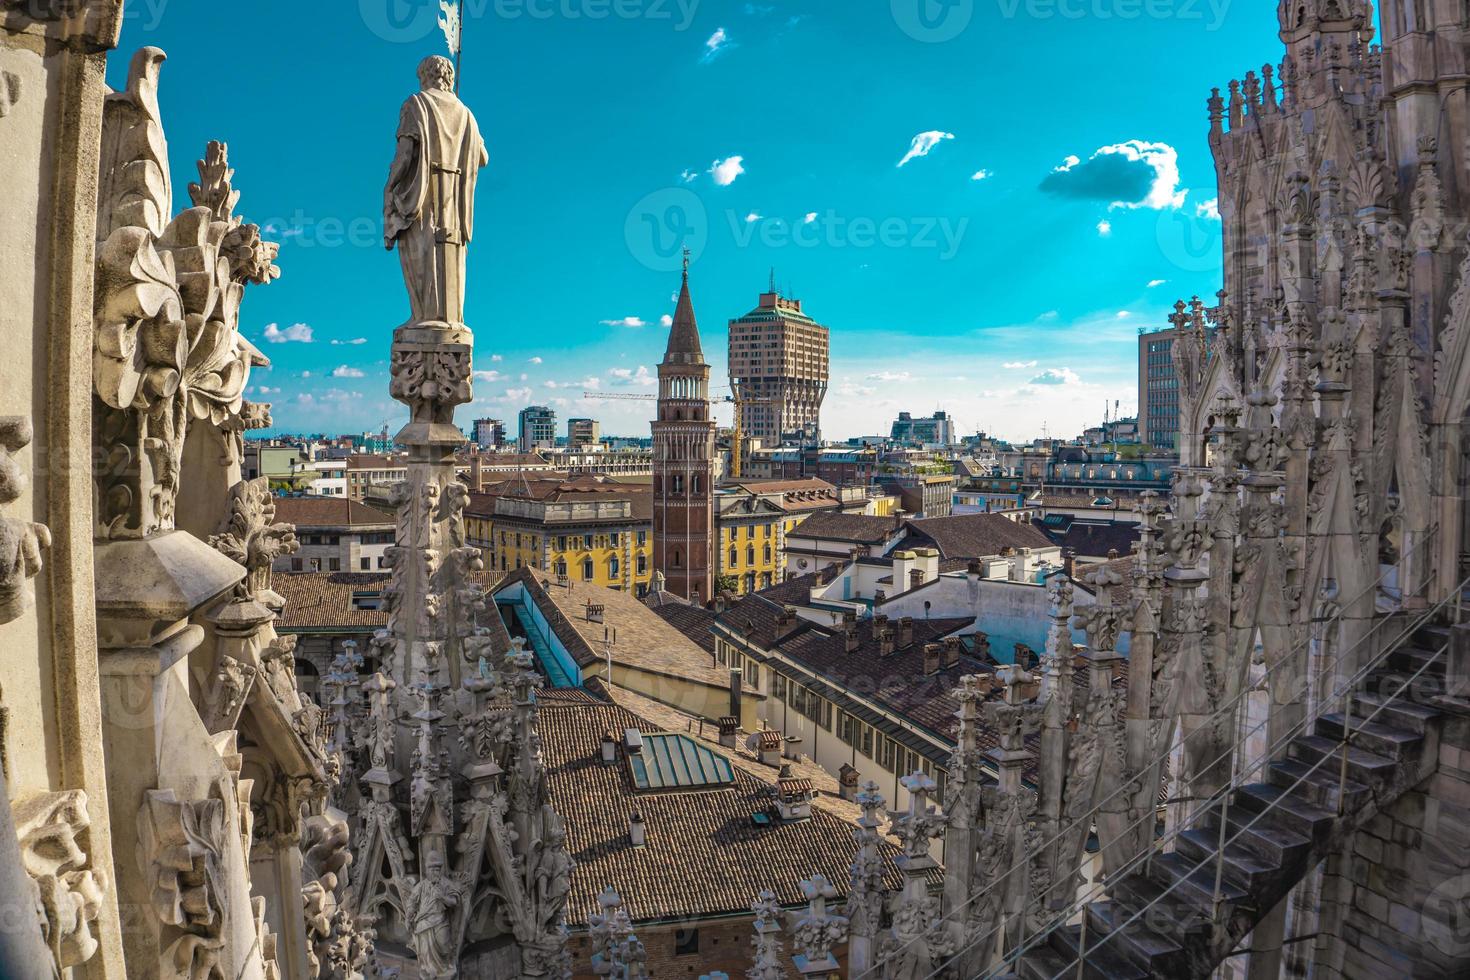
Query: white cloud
(306,374)
(666,321)
(641,378)
(347,372)
(688,176)
(1019,365)
(923,143)
(518,394)
(890,376)
(265,390)
(1105,228)
(718,43)
(725,171)
(752,218)
(1156,283)
(589,382)
(354,342)
(1048,315)
(496,357)
(811,216)
(1209,209)
(1124,314)
(1056,376)
(297,333)
(489,377)
(627,321)
(983,174)
(535,360)
(1132,174)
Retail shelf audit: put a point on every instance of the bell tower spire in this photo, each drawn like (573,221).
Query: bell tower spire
(683,460)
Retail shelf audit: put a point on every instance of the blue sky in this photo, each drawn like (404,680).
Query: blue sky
(1001,272)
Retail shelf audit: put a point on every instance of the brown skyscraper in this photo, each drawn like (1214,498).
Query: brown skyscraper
(683,462)
(778,368)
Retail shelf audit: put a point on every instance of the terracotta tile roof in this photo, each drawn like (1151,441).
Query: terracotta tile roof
(643,640)
(857,528)
(305,512)
(1089,539)
(323,601)
(482,504)
(704,856)
(973,535)
(692,621)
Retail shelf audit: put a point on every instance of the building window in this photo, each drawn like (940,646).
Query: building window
(613,567)
(734,557)
(778,686)
(295,564)
(561,567)
(561,543)
(750,556)
(365,564)
(677,561)
(587,541)
(678,483)
(334,564)
(686,942)
(587,570)
(613,540)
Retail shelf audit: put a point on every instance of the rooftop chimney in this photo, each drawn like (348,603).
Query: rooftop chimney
(885,642)
(850,640)
(905,632)
(951,652)
(636,830)
(609,748)
(932,655)
(847,782)
(729,731)
(787,621)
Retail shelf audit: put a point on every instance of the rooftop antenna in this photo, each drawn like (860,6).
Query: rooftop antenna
(772,288)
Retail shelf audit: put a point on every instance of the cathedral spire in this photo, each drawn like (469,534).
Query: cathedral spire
(1300,18)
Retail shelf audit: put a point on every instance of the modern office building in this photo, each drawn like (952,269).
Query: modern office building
(489,433)
(583,432)
(778,362)
(935,430)
(538,428)
(1158,390)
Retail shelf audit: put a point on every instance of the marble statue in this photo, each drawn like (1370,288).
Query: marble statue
(429,203)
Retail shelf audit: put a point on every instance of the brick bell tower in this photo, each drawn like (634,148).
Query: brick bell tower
(683,462)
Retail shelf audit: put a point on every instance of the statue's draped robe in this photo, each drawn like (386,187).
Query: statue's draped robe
(429,203)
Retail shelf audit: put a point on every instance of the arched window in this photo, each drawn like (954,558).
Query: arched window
(613,567)
(734,557)
(677,560)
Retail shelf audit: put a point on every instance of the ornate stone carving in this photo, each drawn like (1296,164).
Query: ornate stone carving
(765,960)
(250,536)
(21,542)
(817,931)
(166,345)
(181,847)
(429,203)
(618,951)
(68,893)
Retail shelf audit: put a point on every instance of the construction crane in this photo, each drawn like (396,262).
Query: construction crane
(618,396)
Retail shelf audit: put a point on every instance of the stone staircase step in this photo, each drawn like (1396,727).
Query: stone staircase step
(1319,785)
(1157,954)
(1433,635)
(1397,712)
(1043,963)
(1375,736)
(1102,959)
(1259,835)
(1292,811)
(1409,660)
(1368,768)
(1243,867)
(1195,884)
(1169,915)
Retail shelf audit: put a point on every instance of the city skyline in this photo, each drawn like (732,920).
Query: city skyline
(896,235)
